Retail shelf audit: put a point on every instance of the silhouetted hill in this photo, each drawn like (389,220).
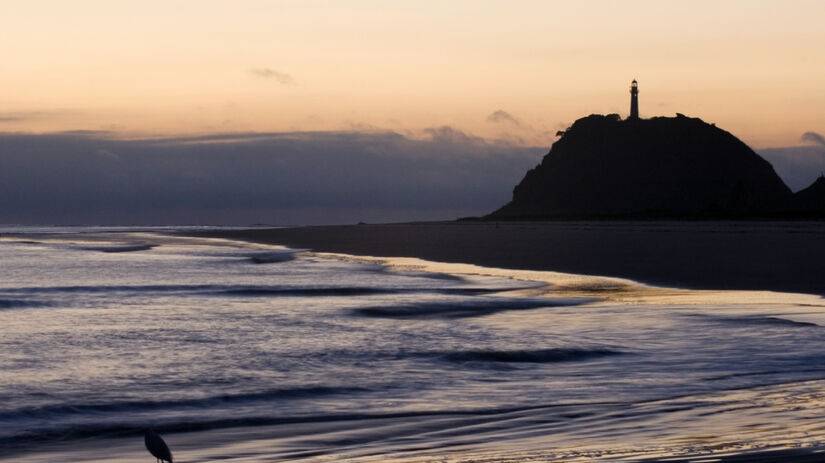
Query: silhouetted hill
(603,166)
(811,199)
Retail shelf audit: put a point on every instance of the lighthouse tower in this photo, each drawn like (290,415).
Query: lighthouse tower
(634,100)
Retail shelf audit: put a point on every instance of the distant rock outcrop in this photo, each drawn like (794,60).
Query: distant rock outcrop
(605,167)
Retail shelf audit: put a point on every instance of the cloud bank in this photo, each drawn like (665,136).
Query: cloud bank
(250,178)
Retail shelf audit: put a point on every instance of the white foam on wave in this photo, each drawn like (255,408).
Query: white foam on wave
(610,290)
(605,290)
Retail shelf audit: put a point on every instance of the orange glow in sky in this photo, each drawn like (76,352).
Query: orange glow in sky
(755,68)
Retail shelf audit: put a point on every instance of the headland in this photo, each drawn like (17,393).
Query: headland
(679,167)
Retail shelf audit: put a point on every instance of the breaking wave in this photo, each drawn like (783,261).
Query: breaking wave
(466,308)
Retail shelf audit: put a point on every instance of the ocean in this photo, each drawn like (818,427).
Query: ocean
(242,352)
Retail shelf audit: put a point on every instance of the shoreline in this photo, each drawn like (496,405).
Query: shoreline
(763,256)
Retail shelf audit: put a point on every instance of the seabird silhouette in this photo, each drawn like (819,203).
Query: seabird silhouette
(156,446)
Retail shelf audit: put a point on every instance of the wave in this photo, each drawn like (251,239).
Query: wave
(777,321)
(120,247)
(273,257)
(52,411)
(530,356)
(108,288)
(245,290)
(176,423)
(349,291)
(465,308)
(549,355)
(21,303)
(758,320)
(431,275)
(261,291)
(796,371)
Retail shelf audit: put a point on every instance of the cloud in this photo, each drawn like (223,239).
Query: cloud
(280,77)
(245,178)
(515,131)
(500,116)
(813,138)
(447,134)
(21,116)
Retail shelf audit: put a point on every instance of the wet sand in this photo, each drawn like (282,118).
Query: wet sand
(276,444)
(774,256)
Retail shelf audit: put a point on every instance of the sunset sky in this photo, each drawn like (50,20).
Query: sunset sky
(515,70)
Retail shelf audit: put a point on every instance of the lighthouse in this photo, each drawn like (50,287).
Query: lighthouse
(634,100)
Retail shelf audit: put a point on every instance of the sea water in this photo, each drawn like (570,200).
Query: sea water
(272,354)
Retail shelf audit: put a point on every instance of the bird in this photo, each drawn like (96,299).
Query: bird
(157,447)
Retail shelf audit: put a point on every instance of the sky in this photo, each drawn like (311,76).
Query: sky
(754,67)
(505,76)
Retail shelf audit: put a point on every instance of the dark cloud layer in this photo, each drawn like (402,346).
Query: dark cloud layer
(284,178)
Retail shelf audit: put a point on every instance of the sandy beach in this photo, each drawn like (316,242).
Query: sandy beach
(773,256)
